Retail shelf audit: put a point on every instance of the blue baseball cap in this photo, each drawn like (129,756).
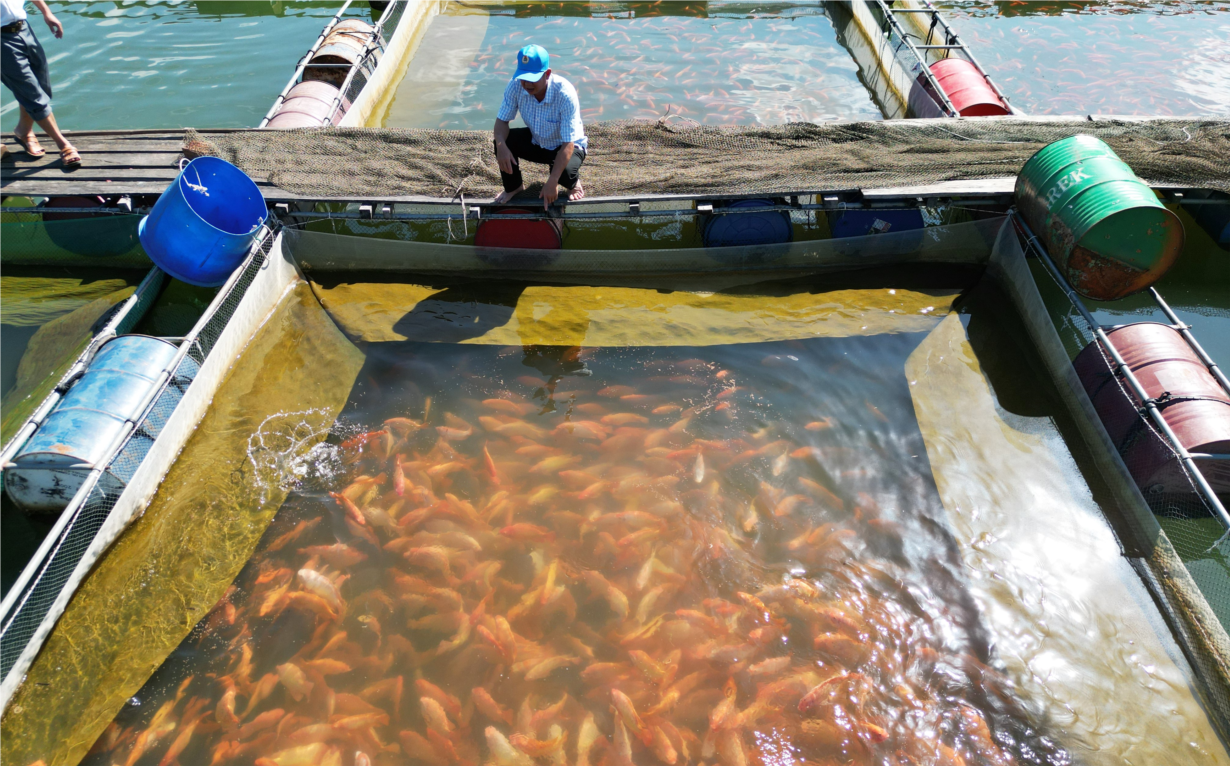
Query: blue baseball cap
(532,62)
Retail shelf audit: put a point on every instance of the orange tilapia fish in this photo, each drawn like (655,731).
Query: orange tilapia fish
(655,571)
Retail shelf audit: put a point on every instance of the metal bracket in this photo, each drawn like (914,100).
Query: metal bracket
(704,208)
(365,211)
(634,208)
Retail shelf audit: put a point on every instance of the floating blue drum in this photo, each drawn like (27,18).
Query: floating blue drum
(49,470)
(744,229)
(203,225)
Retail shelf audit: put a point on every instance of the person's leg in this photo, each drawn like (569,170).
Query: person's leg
(513,182)
(571,177)
(25,123)
(50,127)
(25,74)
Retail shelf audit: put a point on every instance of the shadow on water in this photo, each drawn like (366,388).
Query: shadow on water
(461,312)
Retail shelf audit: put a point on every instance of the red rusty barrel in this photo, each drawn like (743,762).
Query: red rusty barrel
(511,230)
(968,90)
(520,228)
(1192,403)
(308,105)
(345,44)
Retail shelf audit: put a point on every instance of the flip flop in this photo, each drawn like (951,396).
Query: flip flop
(37,151)
(70,158)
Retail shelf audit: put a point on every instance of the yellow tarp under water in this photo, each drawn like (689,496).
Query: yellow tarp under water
(1073,625)
(174,563)
(620,316)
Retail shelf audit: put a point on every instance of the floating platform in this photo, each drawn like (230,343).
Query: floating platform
(141,163)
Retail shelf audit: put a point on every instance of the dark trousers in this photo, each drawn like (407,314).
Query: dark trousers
(521,143)
(23,69)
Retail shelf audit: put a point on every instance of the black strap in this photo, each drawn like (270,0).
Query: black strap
(1167,399)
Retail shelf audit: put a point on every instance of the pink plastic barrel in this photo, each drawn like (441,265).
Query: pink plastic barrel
(967,89)
(515,227)
(1197,409)
(308,105)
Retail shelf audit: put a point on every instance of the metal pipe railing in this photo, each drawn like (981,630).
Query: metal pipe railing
(307,57)
(951,35)
(1122,370)
(891,21)
(375,42)
(1185,330)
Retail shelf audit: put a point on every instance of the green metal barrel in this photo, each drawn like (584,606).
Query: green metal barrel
(1101,224)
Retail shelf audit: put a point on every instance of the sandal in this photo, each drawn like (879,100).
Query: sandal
(70,158)
(31,146)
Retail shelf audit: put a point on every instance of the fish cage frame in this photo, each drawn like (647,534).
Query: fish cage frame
(1149,405)
(355,81)
(119,487)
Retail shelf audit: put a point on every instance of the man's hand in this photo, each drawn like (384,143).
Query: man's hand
(54,25)
(550,191)
(504,157)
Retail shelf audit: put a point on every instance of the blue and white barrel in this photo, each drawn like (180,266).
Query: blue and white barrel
(87,423)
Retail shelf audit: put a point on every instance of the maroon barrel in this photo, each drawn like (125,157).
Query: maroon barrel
(1192,403)
(309,105)
(518,239)
(520,228)
(57,202)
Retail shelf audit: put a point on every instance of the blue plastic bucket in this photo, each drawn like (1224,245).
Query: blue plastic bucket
(204,223)
(745,229)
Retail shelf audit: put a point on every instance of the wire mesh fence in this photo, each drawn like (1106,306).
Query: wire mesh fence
(34,604)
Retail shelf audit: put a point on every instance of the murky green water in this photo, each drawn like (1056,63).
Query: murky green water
(126,65)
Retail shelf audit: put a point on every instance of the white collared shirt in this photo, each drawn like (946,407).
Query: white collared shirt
(555,120)
(11,10)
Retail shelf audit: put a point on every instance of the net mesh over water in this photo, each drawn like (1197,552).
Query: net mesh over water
(45,588)
(678,157)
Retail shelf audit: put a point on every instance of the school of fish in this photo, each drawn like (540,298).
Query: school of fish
(763,68)
(639,578)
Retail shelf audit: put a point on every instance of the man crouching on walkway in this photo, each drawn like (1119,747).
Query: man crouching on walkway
(548,104)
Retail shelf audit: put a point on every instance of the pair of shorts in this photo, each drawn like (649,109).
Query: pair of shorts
(23,70)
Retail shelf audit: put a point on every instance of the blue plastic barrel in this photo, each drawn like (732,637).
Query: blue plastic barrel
(204,223)
(743,229)
(860,222)
(51,466)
